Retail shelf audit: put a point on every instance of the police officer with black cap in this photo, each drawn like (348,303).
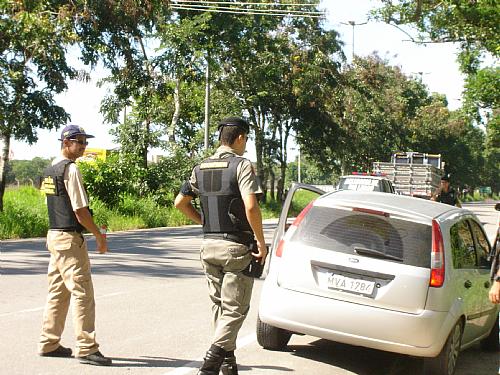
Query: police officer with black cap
(233,237)
(446,193)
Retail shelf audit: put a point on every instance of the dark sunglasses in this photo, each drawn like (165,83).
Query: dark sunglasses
(83,143)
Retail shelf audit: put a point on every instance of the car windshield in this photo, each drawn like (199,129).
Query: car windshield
(366,234)
(360,184)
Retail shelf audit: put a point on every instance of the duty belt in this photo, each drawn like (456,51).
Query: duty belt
(240,237)
(65,230)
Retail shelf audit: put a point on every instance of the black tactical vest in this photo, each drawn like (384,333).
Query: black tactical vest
(61,214)
(449,197)
(222,207)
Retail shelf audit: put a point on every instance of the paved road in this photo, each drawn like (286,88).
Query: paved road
(153,315)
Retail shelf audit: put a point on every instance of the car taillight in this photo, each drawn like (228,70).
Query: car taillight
(437,257)
(293,227)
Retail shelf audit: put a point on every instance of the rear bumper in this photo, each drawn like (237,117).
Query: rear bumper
(422,334)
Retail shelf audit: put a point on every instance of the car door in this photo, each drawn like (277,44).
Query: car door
(483,249)
(468,283)
(298,197)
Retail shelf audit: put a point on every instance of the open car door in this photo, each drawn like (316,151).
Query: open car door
(297,198)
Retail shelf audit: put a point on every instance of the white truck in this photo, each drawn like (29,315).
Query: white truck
(413,173)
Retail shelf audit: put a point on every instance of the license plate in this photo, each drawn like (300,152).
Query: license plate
(349,284)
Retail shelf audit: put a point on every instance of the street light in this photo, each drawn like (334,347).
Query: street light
(353,24)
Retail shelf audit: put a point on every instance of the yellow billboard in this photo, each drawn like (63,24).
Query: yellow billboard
(93,154)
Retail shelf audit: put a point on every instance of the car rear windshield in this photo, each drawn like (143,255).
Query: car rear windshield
(360,184)
(360,233)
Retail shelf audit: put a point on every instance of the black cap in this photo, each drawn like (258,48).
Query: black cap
(71,131)
(234,121)
(445,177)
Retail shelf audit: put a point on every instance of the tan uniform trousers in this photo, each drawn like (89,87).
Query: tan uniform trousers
(230,290)
(69,279)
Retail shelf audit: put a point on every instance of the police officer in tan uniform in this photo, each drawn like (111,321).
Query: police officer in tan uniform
(232,225)
(69,267)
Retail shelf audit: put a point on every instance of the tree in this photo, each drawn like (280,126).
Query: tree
(474,26)
(33,68)
(27,171)
(279,73)
(366,117)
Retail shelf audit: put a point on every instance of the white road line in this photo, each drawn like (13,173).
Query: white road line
(42,307)
(191,366)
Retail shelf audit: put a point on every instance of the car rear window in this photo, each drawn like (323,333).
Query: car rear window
(360,184)
(343,230)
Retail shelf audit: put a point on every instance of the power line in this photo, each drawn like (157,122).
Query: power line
(245,12)
(183,5)
(243,3)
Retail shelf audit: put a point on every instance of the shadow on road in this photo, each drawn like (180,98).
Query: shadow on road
(145,253)
(365,361)
(146,361)
(358,360)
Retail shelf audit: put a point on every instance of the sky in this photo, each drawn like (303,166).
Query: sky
(435,64)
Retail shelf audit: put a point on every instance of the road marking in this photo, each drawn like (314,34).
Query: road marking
(193,365)
(43,307)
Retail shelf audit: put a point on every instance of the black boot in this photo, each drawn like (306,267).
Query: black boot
(213,360)
(229,366)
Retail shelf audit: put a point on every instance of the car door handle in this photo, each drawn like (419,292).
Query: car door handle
(468,284)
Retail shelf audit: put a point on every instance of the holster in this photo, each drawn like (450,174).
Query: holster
(255,268)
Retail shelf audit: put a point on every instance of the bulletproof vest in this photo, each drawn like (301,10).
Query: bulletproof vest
(449,198)
(61,214)
(222,207)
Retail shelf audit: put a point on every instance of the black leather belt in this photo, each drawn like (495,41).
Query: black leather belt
(65,230)
(240,237)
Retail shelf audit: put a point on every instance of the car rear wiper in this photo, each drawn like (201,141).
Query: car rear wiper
(376,253)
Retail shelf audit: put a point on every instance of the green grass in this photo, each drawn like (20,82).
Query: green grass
(24,215)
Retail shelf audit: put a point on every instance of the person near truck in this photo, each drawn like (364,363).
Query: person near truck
(69,266)
(446,193)
(232,224)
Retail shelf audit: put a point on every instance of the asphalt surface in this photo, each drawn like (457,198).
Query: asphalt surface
(153,315)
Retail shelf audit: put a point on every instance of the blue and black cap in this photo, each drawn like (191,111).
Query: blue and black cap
(71,131)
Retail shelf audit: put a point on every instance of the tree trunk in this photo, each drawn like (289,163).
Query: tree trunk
(272,182)
(259,147)
(4,159)
(177,112)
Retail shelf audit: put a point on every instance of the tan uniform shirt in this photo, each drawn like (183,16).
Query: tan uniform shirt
(247,180)
(74,184)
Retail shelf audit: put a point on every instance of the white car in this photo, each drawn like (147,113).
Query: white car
(383,271)
(366,182)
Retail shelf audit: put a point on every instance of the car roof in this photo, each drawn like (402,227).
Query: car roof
(365,176)
(405,205)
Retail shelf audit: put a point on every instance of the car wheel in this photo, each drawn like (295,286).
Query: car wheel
(491,342)
(270,337)
(445,362)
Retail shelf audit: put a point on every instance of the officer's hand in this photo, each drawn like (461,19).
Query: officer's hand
(262,254)
(494,294)
(102,244)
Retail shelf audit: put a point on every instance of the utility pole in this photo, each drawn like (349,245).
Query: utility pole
(300,177)
(207,100)
(353,24)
